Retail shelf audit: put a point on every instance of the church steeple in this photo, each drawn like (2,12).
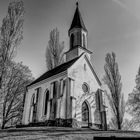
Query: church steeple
(77,21)
(78,36)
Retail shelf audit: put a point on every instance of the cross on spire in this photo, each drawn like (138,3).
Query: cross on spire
(77,3)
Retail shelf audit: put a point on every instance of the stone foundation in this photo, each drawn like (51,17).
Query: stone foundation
(61,123)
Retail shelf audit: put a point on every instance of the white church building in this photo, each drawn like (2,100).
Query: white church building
(69,95)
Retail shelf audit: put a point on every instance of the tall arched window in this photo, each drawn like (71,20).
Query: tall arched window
(84,41)
(72,41)
(46,102)
(85,112)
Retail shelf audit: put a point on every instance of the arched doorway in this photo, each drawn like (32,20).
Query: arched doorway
(85,115)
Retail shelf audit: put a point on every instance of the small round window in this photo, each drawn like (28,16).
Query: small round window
(85,88)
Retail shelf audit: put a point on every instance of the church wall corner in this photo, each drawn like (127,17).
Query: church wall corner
(43,85)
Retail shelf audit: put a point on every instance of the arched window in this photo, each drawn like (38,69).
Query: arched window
(85,112)
(46,102)
(84,41)
(72,41)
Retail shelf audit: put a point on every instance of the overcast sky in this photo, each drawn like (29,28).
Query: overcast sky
(113,25)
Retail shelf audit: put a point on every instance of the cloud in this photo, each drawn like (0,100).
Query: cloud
(121,4)
(124,6)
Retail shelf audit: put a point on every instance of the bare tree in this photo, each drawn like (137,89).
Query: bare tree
(112,79)
(10,35)
(133,103)
(54,50)
(18,76)
(128,124)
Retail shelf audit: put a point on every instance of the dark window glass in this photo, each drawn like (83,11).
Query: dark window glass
(55,87)
(85,112)
(72,41)
(46,102)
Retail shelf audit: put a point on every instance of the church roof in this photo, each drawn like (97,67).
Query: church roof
(77,21)
(55,71)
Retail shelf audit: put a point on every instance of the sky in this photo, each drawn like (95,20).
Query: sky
(113,26)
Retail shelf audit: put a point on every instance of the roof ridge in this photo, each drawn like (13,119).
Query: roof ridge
(55,71)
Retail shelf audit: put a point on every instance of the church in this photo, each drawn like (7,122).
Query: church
(70,95)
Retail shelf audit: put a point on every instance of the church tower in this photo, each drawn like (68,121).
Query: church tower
(77,37)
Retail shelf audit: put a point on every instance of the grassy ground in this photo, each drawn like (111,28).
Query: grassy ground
(53,133)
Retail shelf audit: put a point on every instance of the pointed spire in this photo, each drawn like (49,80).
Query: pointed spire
(77,21)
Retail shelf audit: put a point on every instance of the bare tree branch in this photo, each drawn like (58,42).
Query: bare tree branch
(133,103)
(54,50)
(19,76)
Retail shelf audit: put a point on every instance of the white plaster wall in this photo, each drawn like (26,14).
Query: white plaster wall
(80,76)
(80,51)
(85,33)
(31,90)
(25,119)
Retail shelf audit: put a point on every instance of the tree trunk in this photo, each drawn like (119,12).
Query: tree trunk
(119,124)
(3,124)
(118,121)
(0,82)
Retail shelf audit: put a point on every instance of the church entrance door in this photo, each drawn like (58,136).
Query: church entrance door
(85,115)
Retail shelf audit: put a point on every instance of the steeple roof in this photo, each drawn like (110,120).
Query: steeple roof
(77,21)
